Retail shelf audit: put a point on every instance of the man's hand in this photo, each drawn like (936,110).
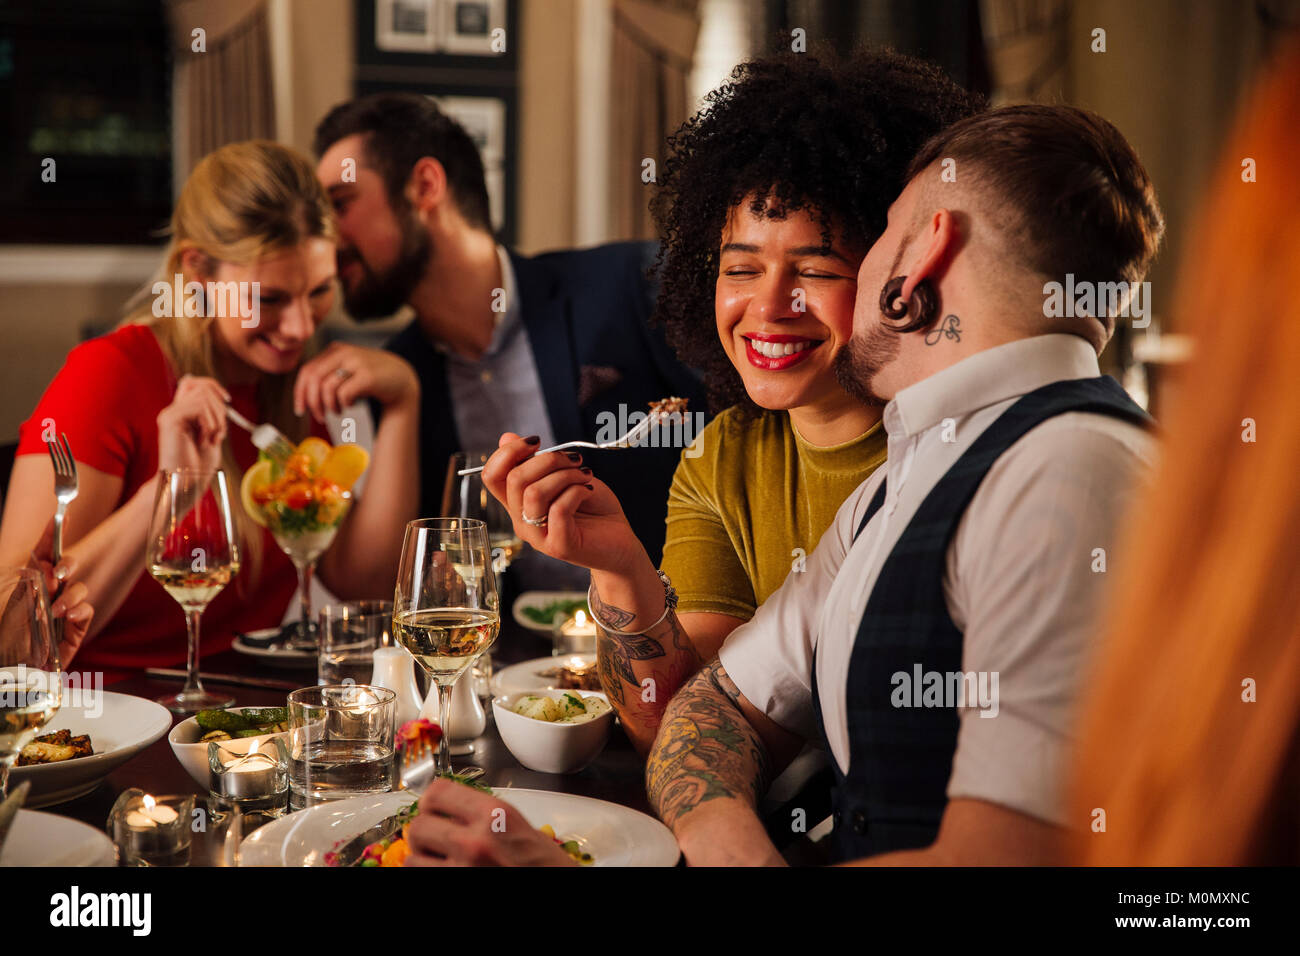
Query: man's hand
(67,596)
(461,826)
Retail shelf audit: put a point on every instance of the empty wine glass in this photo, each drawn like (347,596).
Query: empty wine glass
(31,684)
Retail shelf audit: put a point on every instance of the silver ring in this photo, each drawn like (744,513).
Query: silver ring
(342,374)
(535,522)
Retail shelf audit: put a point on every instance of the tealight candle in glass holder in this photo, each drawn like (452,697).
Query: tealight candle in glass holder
(256,779)
(151,831)
(577,635)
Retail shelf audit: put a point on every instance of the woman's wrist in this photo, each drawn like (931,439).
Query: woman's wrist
(628,601)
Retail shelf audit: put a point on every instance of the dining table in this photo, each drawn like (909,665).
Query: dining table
(616,775)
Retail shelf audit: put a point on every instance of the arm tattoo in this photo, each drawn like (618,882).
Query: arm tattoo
(664,656)
(949,328)
(612,617)
(705,749)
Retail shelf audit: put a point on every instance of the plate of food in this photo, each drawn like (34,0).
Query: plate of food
(93,734)
(607,833)
(543,610)
(47,839)
(570,672)
(272,646)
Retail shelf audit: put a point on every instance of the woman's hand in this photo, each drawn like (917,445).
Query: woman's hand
(343,374)
(584,523)
(192,428)
(67,595)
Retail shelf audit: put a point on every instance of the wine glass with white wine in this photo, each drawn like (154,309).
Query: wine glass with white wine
(446,610)
(467,497)
(193,553)
(31,685)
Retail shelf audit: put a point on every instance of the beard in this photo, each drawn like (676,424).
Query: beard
(378,295)
(861,359)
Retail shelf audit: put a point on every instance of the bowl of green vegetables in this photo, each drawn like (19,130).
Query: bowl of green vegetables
(237,729)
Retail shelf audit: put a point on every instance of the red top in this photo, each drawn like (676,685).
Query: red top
(106,398)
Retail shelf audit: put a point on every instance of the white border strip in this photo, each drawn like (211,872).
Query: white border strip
(31,265)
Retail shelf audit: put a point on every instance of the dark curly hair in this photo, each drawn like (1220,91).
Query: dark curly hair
(819,133)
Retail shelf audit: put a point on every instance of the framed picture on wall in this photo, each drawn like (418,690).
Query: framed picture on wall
(467,26)
(407,26)
(484,118)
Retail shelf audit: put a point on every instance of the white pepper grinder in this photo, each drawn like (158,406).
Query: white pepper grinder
(467,717)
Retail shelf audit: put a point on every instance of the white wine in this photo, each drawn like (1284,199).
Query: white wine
(505,546)
(446,640)
(22,713)
(193,590)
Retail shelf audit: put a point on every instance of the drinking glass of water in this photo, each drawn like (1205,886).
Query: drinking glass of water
(340,742)
(349,635)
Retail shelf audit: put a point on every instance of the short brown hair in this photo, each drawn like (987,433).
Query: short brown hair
(1084,203)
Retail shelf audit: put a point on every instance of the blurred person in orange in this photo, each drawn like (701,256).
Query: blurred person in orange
(1189,751)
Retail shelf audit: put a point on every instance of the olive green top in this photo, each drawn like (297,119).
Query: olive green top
(752,505)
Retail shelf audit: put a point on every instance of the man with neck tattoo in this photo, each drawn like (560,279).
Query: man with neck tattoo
(935,639)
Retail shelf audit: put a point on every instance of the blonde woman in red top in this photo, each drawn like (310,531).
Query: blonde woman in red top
(152,396)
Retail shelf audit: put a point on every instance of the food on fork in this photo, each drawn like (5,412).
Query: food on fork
(666,408)
(55,748)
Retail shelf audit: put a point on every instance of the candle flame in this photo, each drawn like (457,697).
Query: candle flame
(149,802)
(580,618)
(253,749)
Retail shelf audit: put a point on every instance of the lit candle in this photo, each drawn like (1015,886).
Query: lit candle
(149,831)
(254,775)
(577,635)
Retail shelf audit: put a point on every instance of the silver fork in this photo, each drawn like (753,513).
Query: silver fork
(634,434)
(266,438)
(65,490)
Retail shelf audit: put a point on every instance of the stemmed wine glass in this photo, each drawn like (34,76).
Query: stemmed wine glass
(193,553)
(31,684)
(446,610)
(467,497)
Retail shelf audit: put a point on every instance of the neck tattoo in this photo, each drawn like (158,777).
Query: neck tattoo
(949,328)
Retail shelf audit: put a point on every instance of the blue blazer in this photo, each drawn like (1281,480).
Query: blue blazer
(587,314)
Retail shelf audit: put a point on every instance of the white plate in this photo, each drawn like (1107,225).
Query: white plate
(294,658)
(124,726)
(47,839)
(540,599)
(614,835)
(528,676)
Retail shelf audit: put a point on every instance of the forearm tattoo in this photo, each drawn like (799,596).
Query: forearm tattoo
(641,672)
(705,749)
(612,617)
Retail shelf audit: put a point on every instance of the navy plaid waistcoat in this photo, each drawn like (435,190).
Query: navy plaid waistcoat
(900,758)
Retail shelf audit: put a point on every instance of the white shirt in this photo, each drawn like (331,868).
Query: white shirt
(1020,583)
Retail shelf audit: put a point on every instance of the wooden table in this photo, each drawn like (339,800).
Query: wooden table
(616,775)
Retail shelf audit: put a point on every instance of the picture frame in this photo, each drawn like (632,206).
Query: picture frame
(407,26)
(467,26)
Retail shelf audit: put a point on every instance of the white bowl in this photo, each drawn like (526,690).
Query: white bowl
(119,725)
(551,747)
(47,839)
(193,755)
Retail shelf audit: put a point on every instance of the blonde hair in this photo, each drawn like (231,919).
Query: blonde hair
(243,202)
(1189,742)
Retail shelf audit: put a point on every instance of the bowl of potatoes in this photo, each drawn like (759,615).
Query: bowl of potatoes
(558,731)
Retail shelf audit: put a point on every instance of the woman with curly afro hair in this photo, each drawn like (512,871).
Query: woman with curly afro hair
(767,203)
